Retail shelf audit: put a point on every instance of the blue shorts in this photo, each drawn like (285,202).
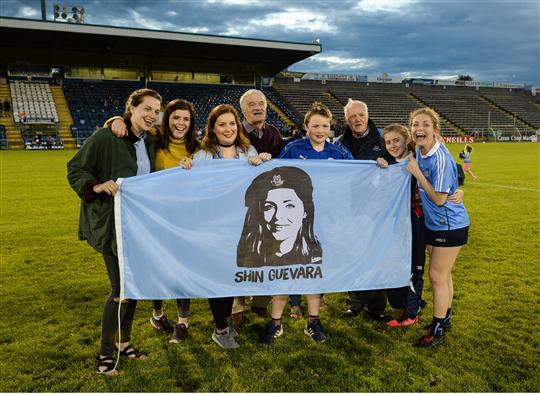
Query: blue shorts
(448,238)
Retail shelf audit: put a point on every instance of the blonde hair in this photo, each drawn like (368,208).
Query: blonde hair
(317,108)
(429,112)
(403,131)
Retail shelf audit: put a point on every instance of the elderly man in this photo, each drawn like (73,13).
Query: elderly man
(362,138)
(265,138)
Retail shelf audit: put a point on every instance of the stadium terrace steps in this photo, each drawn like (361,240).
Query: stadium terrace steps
(281,114)
(469,111)
(13,134)
(496,107)
(516,105)
(64,117)
(207,96)
(463,110)
(447,126)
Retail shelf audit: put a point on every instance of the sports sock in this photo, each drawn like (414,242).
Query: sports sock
(222,331)
(436,327)
(277,322)
(312,318)
(448,317)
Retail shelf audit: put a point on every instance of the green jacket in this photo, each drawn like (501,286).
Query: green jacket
(103,157)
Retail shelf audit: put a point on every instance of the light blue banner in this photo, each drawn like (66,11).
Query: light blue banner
(226,228)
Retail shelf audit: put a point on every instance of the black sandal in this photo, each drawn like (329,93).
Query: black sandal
(108,363)
(130,352)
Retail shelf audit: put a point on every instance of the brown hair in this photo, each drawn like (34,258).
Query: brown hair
(210,141)
(317,108)
(429,112)
(191,139)
(137,97)
(403,131)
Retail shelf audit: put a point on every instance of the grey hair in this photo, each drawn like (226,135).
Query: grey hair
(352,102)
(248,93)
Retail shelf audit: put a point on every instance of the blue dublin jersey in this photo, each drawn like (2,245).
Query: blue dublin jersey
(440,169)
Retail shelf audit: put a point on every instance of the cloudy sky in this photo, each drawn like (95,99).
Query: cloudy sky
(489,40)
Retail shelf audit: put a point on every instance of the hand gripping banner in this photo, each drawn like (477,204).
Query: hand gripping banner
(226,228)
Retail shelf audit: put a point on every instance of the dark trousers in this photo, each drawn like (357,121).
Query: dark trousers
(375,300)
(182,305)
(109,320)
(410,297)
(221,309)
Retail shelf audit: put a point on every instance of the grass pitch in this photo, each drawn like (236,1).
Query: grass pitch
(53,287)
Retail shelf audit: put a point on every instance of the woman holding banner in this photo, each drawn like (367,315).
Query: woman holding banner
(225,138)
(177,144)
(92,173)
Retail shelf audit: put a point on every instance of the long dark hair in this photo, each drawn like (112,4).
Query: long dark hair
(191,139)
(257,246)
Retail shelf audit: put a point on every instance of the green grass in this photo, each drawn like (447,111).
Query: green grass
(53,287)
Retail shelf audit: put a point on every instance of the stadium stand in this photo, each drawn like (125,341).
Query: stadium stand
(3,139)
(84,104)
(516,103)
(33,102)
(91,102)
(470,111)
(387,103)
(205,97)
(12,133)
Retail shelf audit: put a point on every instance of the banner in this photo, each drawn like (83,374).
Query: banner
(226,228)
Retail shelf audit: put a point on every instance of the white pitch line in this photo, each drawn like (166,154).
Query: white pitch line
(504,186)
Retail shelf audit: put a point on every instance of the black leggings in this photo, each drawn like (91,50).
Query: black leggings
(410,297)
(109,320)
(182,305)
(221,309)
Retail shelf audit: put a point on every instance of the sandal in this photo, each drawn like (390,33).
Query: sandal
(130,352)
(106,365)
(296,312)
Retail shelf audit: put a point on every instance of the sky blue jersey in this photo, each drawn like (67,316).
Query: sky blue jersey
(440,169)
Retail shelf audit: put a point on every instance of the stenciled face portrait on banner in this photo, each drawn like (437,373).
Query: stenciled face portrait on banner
(278,227)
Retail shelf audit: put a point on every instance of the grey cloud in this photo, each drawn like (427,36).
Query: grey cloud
(487,39)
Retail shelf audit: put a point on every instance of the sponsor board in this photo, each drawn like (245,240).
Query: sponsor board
(517,138)
(458,139)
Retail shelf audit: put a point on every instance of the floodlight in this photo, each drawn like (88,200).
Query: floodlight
(68,13)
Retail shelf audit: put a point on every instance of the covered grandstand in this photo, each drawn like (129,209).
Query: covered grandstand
(79,75)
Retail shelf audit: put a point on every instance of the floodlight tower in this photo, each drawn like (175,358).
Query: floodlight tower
(68,13)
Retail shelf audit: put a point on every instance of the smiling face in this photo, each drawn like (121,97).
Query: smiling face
(423,131)
(226,129)
(254,109)
(318,129)
(357,119)
(283,213)
(144,115)
(179,123)
(395,144)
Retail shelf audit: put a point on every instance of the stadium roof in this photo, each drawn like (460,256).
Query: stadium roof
(61,44)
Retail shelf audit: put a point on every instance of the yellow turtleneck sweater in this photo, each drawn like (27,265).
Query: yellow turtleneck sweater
(169,158)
